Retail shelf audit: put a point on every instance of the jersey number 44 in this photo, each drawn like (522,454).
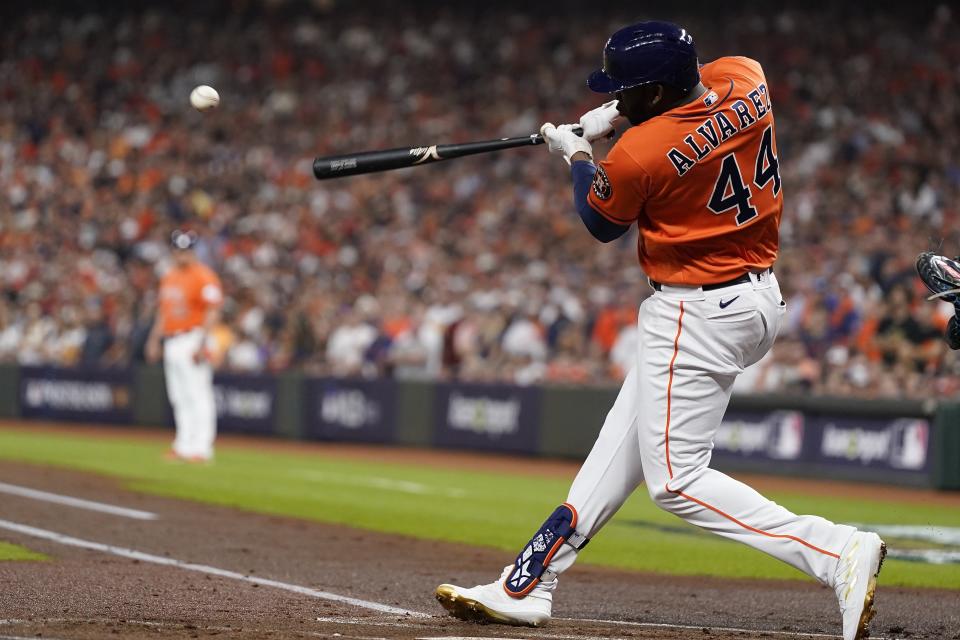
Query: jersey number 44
(731,192)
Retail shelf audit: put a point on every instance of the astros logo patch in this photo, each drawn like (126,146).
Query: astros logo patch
(601,185)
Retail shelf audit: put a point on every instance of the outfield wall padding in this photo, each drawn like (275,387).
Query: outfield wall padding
(946,447)
(908,443)
(572,418)
(150,390)
(9,391)
(290,400)
(415,413)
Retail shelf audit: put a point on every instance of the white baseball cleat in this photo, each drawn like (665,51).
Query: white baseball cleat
(489,603)
(856,582)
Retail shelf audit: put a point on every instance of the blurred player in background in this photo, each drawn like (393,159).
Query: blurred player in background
(188,308)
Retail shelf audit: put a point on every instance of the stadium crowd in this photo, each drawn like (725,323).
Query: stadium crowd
(476,269)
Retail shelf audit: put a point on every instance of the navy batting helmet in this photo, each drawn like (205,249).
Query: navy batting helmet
(645,53)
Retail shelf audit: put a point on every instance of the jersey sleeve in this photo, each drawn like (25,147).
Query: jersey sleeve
(620,187)
(211,291)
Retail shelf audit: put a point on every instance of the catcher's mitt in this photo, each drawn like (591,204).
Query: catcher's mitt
(942,276)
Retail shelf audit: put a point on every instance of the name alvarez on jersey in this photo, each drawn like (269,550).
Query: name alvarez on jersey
(719,128)
(701,181)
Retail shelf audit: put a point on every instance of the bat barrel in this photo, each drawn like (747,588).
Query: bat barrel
(365,162)
(328,167)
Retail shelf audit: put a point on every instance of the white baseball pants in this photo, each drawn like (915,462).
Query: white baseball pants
(190,389)
(662,425)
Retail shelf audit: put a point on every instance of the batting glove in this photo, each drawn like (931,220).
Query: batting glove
(562,139)
(598,123)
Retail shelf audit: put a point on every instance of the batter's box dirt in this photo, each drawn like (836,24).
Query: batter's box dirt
(86,593)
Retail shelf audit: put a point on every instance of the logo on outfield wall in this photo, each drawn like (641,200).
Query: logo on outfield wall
(349,408)
(74,395)
(903,444)
(102,395)
(778,436)
(480,414)
(246,404)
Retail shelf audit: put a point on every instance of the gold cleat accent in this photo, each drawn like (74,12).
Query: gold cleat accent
(471,610)
(863,628)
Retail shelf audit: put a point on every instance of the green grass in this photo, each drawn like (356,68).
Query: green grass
(10,551)
(489,509)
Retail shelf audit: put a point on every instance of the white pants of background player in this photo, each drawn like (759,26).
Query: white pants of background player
(662,425)
(190,389)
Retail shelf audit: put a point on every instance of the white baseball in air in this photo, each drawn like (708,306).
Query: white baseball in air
(204,97)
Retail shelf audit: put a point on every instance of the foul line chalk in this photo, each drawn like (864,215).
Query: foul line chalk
(546,634)
(90,505)
(541,634)
(664,625)
(200,568)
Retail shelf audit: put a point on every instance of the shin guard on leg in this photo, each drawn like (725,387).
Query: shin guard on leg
(531,565)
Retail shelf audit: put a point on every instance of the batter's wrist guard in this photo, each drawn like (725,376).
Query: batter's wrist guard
(531,565)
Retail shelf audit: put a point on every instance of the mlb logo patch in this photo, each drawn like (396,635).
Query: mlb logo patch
(711,99)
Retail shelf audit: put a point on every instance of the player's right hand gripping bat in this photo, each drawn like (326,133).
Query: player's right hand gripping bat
(353,164)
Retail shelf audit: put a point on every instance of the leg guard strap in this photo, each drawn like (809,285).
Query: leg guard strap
(531,565)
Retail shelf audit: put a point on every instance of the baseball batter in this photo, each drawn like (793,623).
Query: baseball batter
(188,307)
(698,173)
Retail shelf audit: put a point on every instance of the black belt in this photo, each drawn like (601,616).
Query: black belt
(745,278)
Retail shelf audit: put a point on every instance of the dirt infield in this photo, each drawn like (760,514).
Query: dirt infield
(85,593)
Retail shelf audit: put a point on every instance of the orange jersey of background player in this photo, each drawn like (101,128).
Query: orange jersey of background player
(186,294)
(702,181)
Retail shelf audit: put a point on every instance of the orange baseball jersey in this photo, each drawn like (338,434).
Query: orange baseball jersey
(702,181)
(186,294)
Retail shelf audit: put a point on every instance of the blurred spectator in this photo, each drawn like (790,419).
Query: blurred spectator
(349,342)
(98,337)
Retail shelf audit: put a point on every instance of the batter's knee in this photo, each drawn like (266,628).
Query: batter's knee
(662,496)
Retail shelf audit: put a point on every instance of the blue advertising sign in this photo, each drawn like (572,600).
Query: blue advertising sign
(352,410)
(775,436)
(487,417)
(894,445)
(791,438)
(245,403)
(85,395)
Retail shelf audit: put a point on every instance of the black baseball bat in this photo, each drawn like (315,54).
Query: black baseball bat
(352,164)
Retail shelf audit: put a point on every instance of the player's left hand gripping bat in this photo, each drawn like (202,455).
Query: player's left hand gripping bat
(353,164)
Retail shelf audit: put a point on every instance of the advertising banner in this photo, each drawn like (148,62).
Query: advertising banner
(351,410)
(894,445)
(487,417)
(245,403)
(84,395)
(774,436)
